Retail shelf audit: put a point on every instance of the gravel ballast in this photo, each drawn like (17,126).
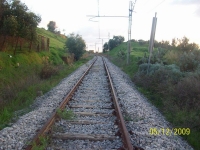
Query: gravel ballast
(93,98)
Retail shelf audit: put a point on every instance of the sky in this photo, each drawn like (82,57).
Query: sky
(175,19)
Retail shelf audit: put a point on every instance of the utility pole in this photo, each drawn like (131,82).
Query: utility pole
(151,41)
(102,42)
(131,8)
(108,41)
(95,46)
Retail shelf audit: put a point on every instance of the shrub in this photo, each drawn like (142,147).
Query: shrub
(152,68)
(157,57)
(159,76)
(121,54)
(188,62)
(172,56)
(47,71)
(187,92)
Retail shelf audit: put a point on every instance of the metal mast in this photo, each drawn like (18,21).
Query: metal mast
(131,8)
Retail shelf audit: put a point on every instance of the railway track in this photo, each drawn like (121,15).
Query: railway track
(98,123)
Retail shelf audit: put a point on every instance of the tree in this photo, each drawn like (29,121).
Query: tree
(32,22)
(117,40)
(105,47)
(16,20)
(174,42)
(76,45)
(52,26)
(27,22)
(185,46)
(112,44)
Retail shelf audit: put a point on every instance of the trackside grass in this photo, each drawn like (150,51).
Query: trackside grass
(21,76)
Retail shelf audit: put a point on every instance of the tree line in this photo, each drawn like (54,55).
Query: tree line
(18,21)
(182,44)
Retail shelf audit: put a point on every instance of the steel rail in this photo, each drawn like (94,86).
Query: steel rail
(46,127)
(125,134)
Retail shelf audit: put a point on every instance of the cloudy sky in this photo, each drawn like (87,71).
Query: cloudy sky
(175,18)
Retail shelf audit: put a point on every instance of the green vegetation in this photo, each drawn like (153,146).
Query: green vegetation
(51,26)
(75,45)
(42,145)
(65,114)
(18,21)
(172,82)
(25,74)
(112,43)
(118,56)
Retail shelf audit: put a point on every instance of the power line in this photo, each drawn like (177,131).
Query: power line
(144,12)
(156,6)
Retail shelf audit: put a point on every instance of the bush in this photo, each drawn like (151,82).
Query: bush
(152,68)
(187,92)
(48,71)
(121,54)
(172,56)
(158,77)
(157,57)
(189,61)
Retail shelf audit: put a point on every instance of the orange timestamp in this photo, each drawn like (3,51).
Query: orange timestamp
(169,132)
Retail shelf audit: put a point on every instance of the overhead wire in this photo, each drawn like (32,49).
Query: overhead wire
(156,6)
(152,8)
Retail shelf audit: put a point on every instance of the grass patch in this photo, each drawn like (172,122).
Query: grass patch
(42,144)
(137,52)
(155,99)
(65,114)
(23,98)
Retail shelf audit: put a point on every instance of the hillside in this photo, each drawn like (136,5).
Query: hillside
(24,75)
(172,84)
(119,56)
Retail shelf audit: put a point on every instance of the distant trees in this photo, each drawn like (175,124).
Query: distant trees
(142,42)
(51,26)
(184,45)
(105,47)
(76,45)
(117,40)
(179,44)
(16,20)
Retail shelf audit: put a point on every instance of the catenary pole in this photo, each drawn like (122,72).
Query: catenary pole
(151,41)
(131,8)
